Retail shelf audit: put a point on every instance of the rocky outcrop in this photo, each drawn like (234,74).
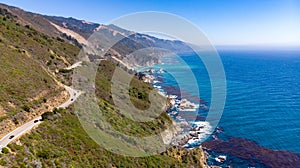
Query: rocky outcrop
(185,105)
(147,78)
(197,156)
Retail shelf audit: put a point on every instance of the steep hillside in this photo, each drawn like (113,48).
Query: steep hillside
(25,84)
(34,20)
(36,51)
(31,65)
(131,40)
(84,28)
(62,142)
(39,23)
(51,53)
(139,93)
(23,80)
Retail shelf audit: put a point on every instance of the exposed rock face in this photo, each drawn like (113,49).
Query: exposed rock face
(170,103)
(181,139)
(148,78)
(71,33)
(145,77)
(168,136)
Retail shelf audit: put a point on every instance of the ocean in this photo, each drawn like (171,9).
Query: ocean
(263,94)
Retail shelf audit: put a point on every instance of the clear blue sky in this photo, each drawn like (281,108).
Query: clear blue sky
(225,22)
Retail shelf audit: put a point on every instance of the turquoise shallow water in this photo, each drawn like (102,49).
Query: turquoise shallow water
(263,94)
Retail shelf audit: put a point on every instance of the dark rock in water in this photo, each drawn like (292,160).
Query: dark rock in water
(140,75)
(200,118)
(203,102)
(151,71)
(172,90)
(250,150)
(192,117)
(219,129)
(193,134)
(160,79)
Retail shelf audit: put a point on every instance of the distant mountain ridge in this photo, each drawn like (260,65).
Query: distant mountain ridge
(78,31)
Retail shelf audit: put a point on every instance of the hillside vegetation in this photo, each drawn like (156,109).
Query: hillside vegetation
(22,79)
(24,83)
(138,92)
(28,61)
(62,142)
(51,53)
(34,56)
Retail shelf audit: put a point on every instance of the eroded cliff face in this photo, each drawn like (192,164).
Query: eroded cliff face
(196,155)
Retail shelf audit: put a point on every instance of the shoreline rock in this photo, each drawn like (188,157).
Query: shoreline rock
(185,105)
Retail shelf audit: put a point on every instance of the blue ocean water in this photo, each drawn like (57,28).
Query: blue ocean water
(263,98)
(263,94)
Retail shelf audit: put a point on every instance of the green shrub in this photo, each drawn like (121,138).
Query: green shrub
(44,99)
(26,108)
(2,162)
(65,70)
(49,63)
(43,154)
(5,150)
(15,121)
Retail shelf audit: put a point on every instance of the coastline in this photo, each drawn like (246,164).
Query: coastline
(216,146)
(194,130)
(192,133)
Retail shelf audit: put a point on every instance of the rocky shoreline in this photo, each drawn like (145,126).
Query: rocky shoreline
(192,133)
(188,135)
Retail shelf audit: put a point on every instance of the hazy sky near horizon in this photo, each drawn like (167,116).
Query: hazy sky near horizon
(225,22)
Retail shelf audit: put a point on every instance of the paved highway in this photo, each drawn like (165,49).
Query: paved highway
(74,94)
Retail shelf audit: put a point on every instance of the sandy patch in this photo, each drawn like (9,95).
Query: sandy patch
(71,33)
(2,112)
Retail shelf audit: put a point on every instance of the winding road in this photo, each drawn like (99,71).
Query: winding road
(74,94)
(18,132)
(15,134)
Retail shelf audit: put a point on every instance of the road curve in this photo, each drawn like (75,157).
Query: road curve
(13,135)
(77,64)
